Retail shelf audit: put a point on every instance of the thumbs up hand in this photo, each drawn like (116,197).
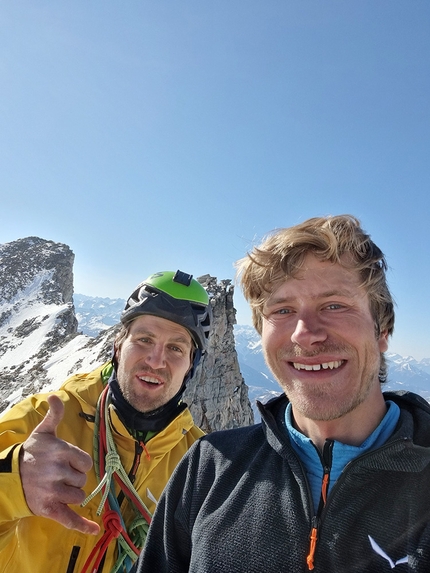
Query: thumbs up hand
(53,472)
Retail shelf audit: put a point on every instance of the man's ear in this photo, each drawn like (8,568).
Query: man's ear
(192,354)
(383,341)
(116,352)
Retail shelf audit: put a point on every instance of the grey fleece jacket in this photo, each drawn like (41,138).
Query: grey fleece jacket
(239,502)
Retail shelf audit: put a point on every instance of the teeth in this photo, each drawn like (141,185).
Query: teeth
(149,379)
(325,365)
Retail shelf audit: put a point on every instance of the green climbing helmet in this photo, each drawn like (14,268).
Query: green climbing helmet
(176,297)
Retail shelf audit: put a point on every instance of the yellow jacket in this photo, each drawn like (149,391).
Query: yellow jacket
(31,544)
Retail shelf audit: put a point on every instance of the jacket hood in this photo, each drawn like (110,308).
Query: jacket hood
(415,413)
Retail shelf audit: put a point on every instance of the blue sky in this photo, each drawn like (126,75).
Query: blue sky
(163,134)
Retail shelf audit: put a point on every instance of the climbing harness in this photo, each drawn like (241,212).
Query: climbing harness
(107,463)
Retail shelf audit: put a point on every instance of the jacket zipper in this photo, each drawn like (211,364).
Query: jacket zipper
(326,460)
(138,450)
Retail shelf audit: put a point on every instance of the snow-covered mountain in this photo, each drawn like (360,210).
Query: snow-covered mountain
(404,373)
(37,318)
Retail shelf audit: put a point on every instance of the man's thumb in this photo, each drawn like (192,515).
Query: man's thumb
(53,416)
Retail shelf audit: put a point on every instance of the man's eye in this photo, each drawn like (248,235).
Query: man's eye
(176,349)
(334,306)
(283,311)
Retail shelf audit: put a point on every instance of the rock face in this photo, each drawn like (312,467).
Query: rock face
(218,395)
(40,346)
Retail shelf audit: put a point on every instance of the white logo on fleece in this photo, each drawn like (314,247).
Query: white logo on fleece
(381,552)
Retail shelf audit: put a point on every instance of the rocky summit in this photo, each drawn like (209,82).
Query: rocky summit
(36,310)
(40,345)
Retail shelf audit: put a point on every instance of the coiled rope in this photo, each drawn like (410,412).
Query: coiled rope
(107,463)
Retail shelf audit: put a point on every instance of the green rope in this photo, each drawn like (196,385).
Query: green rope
(113,464)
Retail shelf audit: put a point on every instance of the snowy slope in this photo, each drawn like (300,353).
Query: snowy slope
(24,334)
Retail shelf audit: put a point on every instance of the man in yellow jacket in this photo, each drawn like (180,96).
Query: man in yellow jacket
(81,469)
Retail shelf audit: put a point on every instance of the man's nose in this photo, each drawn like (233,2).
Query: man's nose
(156,357)
(309,330)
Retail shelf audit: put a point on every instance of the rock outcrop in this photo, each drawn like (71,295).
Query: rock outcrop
(40,345)
(218,395)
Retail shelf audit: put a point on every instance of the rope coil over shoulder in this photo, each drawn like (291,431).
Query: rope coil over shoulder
(107,463)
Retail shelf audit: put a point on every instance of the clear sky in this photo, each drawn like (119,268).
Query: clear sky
(164,134)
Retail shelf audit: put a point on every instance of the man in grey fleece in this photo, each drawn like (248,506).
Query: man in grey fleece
(336,477)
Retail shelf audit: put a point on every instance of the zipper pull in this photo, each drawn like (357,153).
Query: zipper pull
(145,449)
(313,544)
(139,447)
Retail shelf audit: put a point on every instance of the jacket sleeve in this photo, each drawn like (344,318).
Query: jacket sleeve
(15,426)
(168,545)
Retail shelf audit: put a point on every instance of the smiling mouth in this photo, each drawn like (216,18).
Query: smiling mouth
(323,366)
(150,380)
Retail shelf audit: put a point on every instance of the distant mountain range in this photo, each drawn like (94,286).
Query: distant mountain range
(95,314)
(404,373)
